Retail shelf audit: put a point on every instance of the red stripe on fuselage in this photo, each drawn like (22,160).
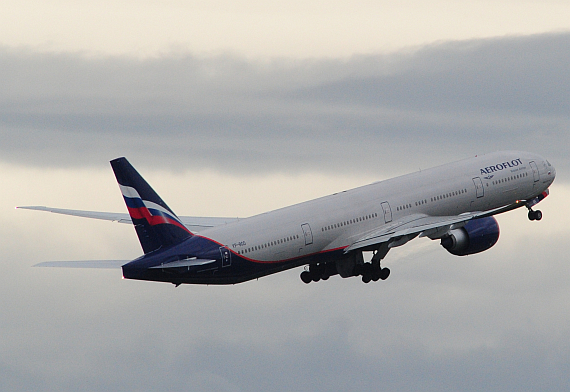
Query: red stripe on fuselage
(271,261)
(291,259)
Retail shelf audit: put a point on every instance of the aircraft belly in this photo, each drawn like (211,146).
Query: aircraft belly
(240,271)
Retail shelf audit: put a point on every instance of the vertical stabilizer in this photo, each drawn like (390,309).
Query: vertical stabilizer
(155,223)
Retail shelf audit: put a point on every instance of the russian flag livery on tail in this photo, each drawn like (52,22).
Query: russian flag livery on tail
(157,226)
(454,204)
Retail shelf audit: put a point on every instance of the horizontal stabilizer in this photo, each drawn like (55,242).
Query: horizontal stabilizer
(84,264)
(191,262)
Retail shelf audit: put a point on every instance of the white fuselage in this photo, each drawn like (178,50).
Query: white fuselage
(332,222)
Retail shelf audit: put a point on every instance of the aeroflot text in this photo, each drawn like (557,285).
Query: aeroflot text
(501,166)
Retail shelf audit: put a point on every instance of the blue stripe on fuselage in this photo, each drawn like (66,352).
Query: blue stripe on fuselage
(240,270)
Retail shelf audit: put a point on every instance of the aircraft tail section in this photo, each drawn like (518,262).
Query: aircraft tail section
(157,226)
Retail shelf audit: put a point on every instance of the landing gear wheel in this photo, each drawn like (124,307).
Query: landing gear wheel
(367,273)
(306,277)
(384,273)
(535,215)
(376,272)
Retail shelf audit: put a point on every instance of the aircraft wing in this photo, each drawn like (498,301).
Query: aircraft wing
(115,217)
(193,223)
(411,226)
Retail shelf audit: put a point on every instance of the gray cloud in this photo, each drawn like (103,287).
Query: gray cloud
(495,321)
(522,75)
(230,114)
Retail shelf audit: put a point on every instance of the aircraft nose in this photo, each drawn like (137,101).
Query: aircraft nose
(551,171)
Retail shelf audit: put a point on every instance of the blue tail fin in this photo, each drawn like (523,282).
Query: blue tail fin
(155,223)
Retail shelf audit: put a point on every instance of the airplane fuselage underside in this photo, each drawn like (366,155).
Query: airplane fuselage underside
(220,270)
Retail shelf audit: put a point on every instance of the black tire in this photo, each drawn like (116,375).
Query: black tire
(384,273)
(306,277)
(538,215)
(531,215)
(376,272)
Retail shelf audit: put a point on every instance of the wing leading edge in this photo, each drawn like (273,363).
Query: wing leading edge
(411,226)
(193,223)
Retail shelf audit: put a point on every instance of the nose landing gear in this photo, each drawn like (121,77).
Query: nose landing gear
(535,215)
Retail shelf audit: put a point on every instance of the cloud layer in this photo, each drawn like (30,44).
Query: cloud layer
(495,321)
(234,115)
(275,133)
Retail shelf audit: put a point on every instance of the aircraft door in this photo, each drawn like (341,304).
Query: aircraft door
(479,187)
(535,173)
(387,212)
(226,256)
(307,233)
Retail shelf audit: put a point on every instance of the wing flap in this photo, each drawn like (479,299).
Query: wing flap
(414,225)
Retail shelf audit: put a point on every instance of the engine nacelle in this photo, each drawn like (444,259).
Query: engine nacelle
(476,236)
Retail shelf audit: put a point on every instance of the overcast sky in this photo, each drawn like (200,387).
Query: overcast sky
(235,108)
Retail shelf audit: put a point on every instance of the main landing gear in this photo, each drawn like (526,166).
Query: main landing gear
(534,215)
(368,271)
(318,271)
(373,272)
(352,265)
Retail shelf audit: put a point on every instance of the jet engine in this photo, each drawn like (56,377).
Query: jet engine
(476,236)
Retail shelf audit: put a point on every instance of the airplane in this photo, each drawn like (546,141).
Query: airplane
(454,203)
